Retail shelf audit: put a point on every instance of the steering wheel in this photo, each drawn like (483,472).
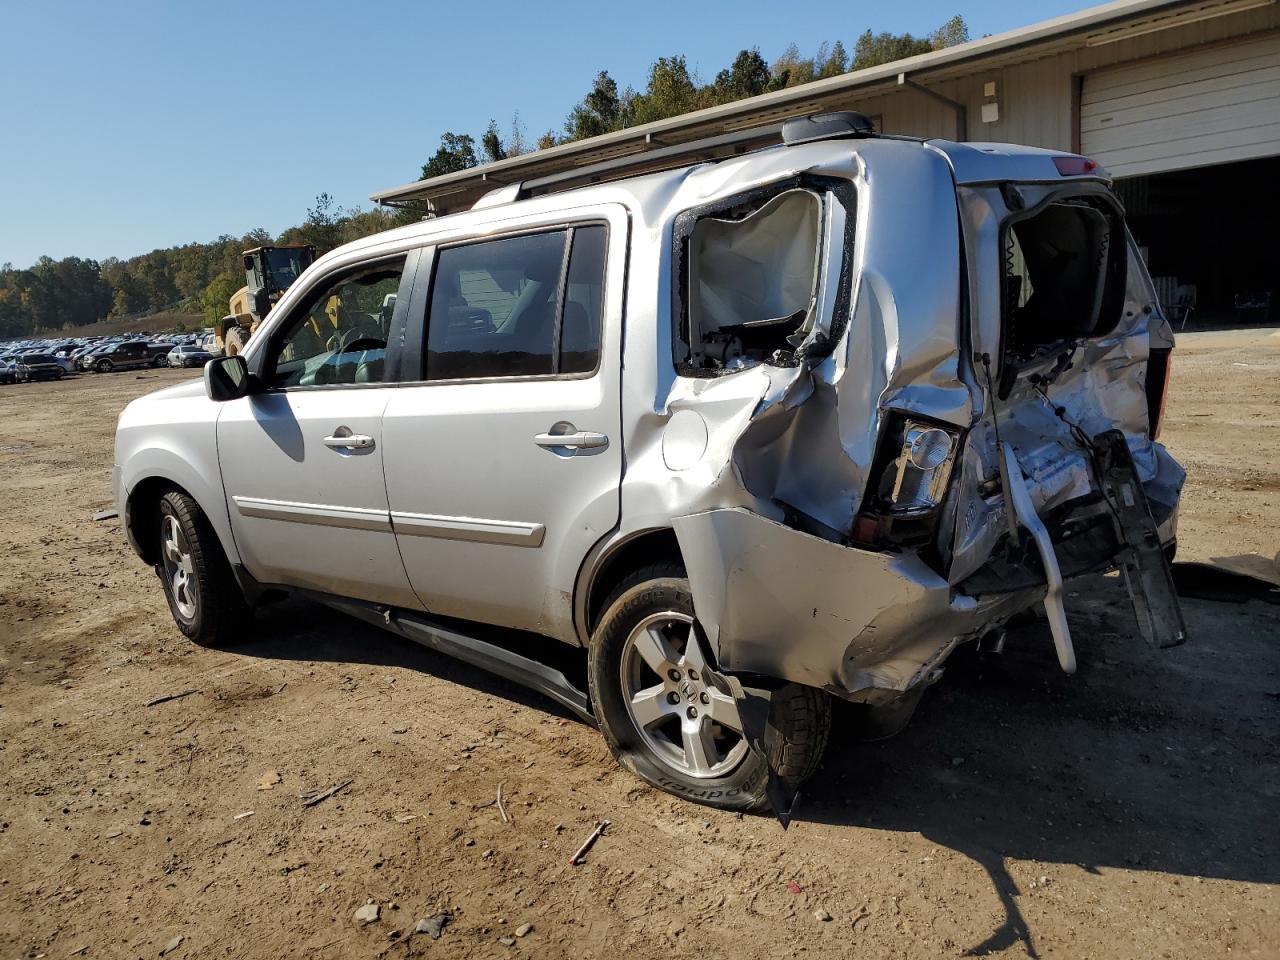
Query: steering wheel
(363,343)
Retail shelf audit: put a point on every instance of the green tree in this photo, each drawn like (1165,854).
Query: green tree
(836,62)
(457,152)
(873,49)
(517,141)
(952,32)
(491,144)
(323,224)
(671,91)
(747,76)
(599,112)
(792,68)
(216,298)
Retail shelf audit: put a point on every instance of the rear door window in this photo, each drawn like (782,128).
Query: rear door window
(522,306)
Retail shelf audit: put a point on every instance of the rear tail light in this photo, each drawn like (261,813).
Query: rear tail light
(1075,166)
(916,480)
(908,484)
(1159,370)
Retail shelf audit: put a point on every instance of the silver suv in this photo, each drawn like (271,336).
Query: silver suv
(752,433)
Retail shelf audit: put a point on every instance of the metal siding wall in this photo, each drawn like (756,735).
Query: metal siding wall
(1035,97)
(1188,110)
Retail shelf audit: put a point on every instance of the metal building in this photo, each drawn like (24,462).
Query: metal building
(1178,99)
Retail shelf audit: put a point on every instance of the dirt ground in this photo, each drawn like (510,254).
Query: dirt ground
(1127,812)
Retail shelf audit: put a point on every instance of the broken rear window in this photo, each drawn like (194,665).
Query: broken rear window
(748,277)
(1064,274)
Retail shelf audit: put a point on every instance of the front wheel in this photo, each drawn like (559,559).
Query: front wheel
(665,717)
(104,366)
(204,598)
(235,340)
(57,374)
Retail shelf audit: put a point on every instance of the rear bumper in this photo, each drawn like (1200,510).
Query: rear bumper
(861,625)
(781,603)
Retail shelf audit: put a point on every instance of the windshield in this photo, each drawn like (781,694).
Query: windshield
(284,266)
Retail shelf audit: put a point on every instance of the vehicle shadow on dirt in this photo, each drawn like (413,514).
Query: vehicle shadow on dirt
(1144,760)
(298,629)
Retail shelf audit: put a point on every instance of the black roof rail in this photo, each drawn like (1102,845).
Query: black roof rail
(638,161)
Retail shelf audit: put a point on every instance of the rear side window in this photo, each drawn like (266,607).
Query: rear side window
(518,306)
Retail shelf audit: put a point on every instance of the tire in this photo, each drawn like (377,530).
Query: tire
(103,366)
(234,341)
(204,598)
(57,375)
(735,778)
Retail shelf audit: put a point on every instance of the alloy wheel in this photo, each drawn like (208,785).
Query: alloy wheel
(179,570)
(685,719)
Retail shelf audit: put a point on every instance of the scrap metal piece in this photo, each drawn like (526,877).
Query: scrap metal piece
(1147,575)
(1019,504)
(753,710)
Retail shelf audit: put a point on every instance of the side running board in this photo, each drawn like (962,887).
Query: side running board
(491,657)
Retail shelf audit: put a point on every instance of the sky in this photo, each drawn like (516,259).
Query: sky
(130,126)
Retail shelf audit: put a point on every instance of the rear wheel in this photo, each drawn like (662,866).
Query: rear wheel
(204,598)
(665,717)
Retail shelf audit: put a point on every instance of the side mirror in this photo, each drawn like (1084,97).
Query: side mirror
(261,302)
(226,378)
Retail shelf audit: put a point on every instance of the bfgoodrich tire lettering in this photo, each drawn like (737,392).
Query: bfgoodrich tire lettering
(799,718)
(204,598)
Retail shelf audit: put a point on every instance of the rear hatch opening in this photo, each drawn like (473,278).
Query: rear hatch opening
(1065,267)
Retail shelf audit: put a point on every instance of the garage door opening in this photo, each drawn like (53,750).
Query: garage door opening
(1209,234)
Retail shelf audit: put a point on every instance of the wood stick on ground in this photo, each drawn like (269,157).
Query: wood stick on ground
(172,696)
(310,800)
(587,843)
(502,811)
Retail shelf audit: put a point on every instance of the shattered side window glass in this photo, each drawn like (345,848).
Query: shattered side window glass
(753,280)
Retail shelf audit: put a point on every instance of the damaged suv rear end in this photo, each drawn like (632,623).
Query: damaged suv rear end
(757,432)
(918,386)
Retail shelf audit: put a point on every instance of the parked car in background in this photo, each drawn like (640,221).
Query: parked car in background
(38,366)
(83,359)
(7,373)
(189,356)
(159,352)
(121,356)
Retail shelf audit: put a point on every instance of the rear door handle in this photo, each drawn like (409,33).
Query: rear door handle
(580,440)
(353,441)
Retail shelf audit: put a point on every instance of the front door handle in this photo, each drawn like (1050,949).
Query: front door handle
(352,441)
(582,439)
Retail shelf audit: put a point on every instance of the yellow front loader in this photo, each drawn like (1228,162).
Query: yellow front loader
(268,271)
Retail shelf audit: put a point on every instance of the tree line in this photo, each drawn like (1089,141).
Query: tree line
(201,277)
